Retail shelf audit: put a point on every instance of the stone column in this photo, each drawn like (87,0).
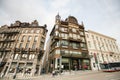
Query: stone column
(56,63)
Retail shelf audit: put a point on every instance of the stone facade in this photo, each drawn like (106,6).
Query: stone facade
(102,49)
(22,49)
(67,45)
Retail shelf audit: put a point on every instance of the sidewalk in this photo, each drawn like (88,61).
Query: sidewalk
(49,76)
(64,74)
(80,72)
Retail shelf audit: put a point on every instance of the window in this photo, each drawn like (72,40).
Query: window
(64,43)
(36,38)
(31,56)
(56,33)
(23,38)
(74,36)
(75,45)
(74,30)
(20,45)
(96,37)
(92,36)
(24,56)
(75,52)
(33,46)
(32,31)
(63,29)
(89,44)
(64,52)
(78,36)
(83,45)
(1,54)
(16,56)
(22,31)
(83,39)
(81,33)
(37,31)
(87,35)
(70,35)
(27,45)
(56,27)
(93,64)
(26,31)
(29,38)
(65,36)
(57,52)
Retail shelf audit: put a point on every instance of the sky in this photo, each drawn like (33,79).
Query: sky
(102,16)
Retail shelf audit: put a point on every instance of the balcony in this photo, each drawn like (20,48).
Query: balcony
(72,55)
(56,37)
(5,49)
(76,40)
(9,32)
(7,40)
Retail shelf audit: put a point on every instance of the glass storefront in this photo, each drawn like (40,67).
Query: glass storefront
(76,63)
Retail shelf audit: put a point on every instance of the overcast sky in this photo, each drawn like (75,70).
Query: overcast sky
(102,16)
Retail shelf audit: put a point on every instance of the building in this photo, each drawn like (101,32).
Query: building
(68,48)
(22,48)
(102,49)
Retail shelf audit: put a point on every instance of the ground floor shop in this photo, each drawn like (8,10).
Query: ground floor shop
(67,63)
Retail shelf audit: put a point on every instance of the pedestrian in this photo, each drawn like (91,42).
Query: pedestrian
(75,68)
(53,73)
(79,67)
(14,75)
(2,75)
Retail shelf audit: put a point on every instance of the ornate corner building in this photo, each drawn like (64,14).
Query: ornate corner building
(22,48)
(67,45)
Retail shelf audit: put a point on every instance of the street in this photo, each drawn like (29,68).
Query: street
(79,75)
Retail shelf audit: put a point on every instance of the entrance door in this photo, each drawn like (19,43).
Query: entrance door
(75,64)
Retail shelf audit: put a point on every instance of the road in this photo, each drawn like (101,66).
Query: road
(78,76)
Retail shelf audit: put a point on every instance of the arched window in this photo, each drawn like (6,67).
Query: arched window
(23,38)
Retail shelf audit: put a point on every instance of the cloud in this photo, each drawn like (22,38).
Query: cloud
(101,16)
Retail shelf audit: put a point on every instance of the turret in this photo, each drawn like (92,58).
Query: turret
(57,18)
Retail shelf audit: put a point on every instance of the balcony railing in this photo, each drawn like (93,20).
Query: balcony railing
(7,40)
(9,32)
(56,37)
(73,39)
